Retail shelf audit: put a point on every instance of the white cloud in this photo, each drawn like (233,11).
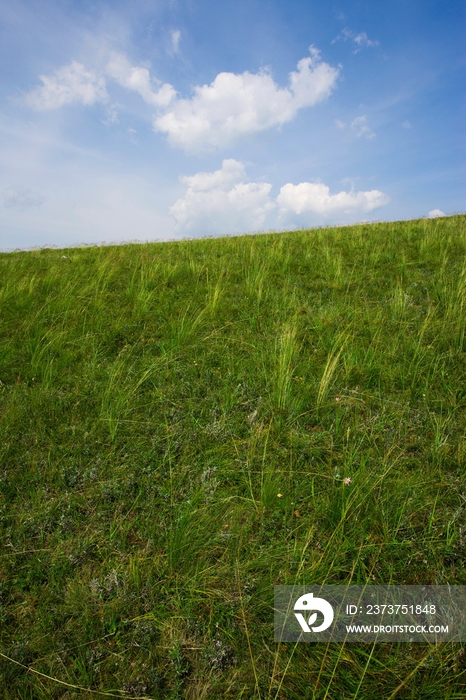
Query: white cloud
(72,83)
(361,40)
(222,202)
(132,136)
(407,125)
(111,114)
(175,36)
(435,213)
(21,199)
(315,198)
(138,78)
(358,126)
(216,116)
(234,106)
(361,128)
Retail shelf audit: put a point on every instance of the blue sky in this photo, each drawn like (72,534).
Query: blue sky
(160,120)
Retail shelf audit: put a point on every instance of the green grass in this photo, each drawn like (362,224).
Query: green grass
(154,401)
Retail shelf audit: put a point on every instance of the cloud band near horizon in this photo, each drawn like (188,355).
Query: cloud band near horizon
(224,202)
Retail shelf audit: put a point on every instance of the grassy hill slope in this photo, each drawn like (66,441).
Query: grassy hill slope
(176,422)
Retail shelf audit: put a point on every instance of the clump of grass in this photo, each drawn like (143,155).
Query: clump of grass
(286,350)
(185,425)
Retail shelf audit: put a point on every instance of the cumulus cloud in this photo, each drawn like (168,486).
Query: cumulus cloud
(138,78)
(72,83)
(215,116)
(361,40)
(225,202)
(234,106)
(21,199)
(222,202)
(435,213)
(309,198)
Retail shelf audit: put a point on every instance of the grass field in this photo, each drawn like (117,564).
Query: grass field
(155,401)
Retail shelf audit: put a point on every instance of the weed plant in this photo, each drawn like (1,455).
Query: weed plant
(177,421)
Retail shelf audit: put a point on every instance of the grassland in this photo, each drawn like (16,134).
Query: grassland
(155,400)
